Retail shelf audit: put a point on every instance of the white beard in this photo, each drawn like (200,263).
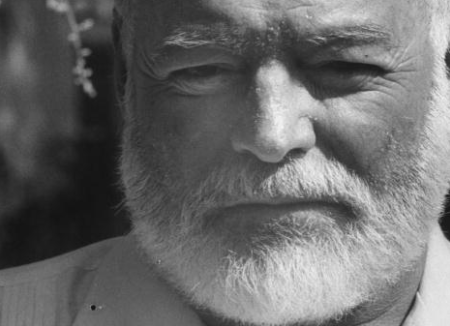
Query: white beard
(313,272)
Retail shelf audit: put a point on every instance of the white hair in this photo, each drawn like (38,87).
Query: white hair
(262,289)
(439,22)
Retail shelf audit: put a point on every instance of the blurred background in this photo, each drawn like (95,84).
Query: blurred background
(58,145)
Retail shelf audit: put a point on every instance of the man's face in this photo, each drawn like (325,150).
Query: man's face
(269,141)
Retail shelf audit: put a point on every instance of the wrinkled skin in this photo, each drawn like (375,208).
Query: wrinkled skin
(268,85)
(336,80)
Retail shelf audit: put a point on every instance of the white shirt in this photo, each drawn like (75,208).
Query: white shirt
(432,304)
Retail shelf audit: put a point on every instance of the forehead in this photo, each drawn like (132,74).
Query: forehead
(160,17)
(158,20)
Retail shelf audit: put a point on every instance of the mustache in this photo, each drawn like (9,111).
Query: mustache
(236,182)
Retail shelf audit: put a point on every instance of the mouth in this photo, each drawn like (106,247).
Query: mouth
(253,214)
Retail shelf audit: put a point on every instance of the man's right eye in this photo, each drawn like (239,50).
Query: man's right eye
(204,79)
(207,71)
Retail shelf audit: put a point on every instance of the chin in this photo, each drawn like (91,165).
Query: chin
(294,281)
(308,269)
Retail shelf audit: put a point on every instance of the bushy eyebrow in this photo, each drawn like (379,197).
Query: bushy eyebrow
(349,35)
(196,35)
(219,34)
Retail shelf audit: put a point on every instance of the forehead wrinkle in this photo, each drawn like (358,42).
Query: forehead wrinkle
(277,6)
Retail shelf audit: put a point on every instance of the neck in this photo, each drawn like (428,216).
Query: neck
(391,307)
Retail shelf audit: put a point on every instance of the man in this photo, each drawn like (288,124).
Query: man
(284,163)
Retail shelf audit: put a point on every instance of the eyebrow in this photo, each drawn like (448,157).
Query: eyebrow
(197,35)
(350,35)
(223,35)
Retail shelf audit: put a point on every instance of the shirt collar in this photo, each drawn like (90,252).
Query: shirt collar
(431,307)
(128,292)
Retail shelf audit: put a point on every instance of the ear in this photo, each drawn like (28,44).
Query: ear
(120,68)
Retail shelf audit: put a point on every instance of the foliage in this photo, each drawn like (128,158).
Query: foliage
(81,72)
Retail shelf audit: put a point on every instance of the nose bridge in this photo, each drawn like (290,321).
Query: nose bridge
(272,84)
(273,112)
(277,122)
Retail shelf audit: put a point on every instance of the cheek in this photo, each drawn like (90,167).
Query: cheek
(185,134)
(367,131)
(373,128)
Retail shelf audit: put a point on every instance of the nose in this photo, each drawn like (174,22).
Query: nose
(279,118)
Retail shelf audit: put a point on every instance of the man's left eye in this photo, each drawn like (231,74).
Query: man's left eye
(344,68)
(342,76)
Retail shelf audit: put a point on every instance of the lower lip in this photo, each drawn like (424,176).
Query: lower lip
(252,215)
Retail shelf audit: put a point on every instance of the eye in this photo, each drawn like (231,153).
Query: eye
(199,72)
(344,77)
(205,79)
(344,68)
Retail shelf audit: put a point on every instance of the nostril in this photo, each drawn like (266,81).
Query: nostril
(295,153)
(272,140)
(269,152)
